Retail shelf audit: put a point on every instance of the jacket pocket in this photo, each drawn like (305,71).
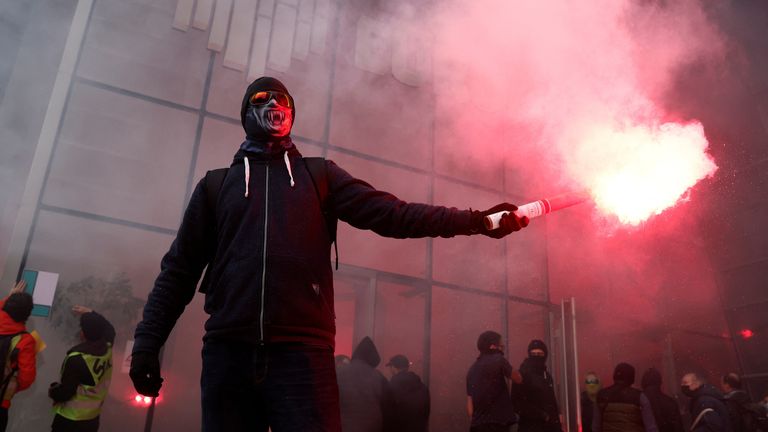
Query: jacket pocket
(295,296)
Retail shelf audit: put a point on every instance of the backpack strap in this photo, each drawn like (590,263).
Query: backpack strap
(214,180)
(10,354)
(318,173)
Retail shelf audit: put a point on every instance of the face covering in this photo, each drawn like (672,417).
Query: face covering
(687,391)
(592,389)
(268,118)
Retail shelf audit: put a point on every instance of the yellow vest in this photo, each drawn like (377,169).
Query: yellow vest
(87,402)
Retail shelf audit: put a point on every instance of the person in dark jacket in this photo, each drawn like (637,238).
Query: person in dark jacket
(666,412)
(411,397)
(534,398)
(366,400)
(707,406)
(589,399)
(488,402)
(264,233)
(742,413)
(85,376)
(621,407)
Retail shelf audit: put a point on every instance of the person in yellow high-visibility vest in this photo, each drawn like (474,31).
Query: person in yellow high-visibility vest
(85,376)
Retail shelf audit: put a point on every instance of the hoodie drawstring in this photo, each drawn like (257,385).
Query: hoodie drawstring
(288,165)
(247,175)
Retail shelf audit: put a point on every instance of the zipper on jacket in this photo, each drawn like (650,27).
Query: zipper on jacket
(264,255)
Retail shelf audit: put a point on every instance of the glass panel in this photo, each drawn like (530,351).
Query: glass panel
(399,327)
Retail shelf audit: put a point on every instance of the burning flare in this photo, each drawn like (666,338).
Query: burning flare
(640,171)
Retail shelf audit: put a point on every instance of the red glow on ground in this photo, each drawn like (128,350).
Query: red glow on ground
(637,171)
(747,333)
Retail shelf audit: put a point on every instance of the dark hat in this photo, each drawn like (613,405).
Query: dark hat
(651,377)
(93,325)
(264,84)
(19,306)
(538,344)
(399,361)
(624,373)
(486,339)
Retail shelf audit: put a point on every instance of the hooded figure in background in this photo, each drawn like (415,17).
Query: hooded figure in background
(535,397)
(367,403)
(665,409)
(411,397)
(621,407)
(262,229)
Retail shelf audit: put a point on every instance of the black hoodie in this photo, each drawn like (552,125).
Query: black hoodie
(365,398)
(267,249)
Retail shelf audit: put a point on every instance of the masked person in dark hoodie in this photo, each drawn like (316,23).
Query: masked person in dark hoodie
(411,397)
(708,410)
(488,400)
(621,407)
(665,409)
(366,400)
(535,397)
(264,229)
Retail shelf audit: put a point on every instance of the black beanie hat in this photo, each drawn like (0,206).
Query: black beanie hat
(94,326)
(19,306)
(264,84)
(651,377)
(624,373)
(538,344)
(486,339)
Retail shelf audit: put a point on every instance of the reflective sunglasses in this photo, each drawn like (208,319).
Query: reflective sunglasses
(592,381)
(263,97)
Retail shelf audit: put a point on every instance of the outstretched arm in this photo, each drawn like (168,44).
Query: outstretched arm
(362,206)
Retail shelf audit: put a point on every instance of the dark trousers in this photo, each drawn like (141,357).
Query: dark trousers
(63,424)
(491,427)
(285,387)
(3,419)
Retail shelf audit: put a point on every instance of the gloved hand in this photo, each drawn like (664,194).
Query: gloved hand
(145,373)
(508,223)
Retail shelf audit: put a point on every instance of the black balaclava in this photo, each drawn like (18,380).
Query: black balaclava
(539,361)
(624,374)
(259,129)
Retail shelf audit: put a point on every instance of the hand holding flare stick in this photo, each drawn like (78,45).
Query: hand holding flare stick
(539,208)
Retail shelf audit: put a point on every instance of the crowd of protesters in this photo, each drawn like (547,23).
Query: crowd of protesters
(501,398)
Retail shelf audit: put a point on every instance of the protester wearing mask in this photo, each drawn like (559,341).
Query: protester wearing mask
(488,402)
(263,230)
(665,409)
(534,398)
(589,399)
(707,407)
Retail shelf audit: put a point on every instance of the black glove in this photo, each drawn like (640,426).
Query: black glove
(508,223)
(145,373)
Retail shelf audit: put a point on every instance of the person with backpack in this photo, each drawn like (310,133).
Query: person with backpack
(85,376)
(264,228)
(743,413)
(17,348)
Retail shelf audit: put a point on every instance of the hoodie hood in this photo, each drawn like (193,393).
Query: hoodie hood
(366,352)
(651,378)
(709,390)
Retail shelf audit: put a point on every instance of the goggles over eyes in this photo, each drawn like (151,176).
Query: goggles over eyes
(592,381)
(263,97)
